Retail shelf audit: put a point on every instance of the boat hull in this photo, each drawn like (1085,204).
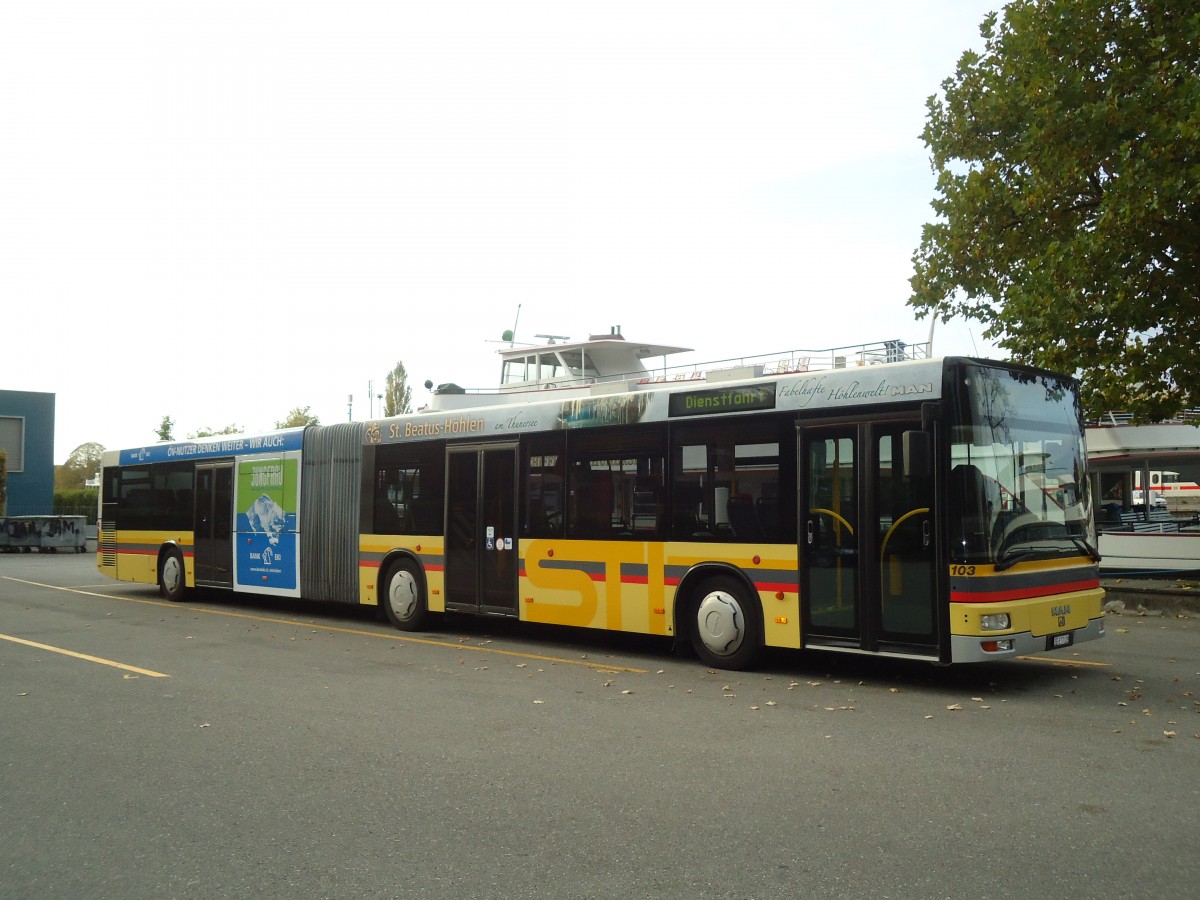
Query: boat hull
(1150,554)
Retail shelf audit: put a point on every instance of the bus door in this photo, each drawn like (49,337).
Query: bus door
(213,561)
(867,538)
(481,529)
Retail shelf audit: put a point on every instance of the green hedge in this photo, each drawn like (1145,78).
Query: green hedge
(76,503)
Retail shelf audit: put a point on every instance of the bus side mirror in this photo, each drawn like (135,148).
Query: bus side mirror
(918,457)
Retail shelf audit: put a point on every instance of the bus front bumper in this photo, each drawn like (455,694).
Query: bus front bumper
(974,648)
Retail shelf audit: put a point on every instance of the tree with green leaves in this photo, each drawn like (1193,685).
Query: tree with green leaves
(397,396)
(165,430)
(300,415)
(1067,156)
(206,431)
(81,464)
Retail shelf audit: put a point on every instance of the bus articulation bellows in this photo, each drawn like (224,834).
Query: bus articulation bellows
(936,509)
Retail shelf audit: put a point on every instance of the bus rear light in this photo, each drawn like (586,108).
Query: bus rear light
(995,622)
(995,646)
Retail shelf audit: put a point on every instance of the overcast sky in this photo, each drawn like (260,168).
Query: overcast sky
(219,211)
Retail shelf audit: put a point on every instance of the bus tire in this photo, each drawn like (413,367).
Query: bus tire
(403,596)
(725,623)
(172,577)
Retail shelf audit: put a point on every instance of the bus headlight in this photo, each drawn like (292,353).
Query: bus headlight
(995,622)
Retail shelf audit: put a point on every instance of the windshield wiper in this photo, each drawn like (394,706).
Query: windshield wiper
(1011,557)
(1014,554)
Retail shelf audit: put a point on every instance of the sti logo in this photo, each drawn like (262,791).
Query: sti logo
(142,455)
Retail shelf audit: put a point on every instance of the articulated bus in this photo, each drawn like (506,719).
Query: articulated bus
(932,509)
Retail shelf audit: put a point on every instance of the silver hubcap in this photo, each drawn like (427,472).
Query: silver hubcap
(402,594)
(172,573)
(721,623)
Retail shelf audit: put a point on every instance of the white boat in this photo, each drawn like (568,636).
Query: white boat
(1144,479)
(610,364)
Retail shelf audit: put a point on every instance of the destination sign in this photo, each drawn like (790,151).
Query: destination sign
(722,400)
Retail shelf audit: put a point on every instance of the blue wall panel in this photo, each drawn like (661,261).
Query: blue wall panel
(31,492)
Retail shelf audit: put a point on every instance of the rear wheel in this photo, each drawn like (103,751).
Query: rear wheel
(403,596)
(172,578)
(726,626)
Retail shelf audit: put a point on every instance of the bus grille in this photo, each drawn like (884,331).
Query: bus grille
(108,546)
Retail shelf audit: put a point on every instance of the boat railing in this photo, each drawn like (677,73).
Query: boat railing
(778,363)
(790,361)
(1185,417)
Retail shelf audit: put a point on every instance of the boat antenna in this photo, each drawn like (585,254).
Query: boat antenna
(511,336)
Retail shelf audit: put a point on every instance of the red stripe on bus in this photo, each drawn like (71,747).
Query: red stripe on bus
(1020,593)
(764,586)
(767,587)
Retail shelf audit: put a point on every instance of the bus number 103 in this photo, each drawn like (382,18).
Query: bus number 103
(962,570)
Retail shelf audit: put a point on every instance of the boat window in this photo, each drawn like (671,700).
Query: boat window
(577,366)
(516,371)
(550,367)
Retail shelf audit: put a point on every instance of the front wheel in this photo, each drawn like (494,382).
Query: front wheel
(726,624)
(403,596)
(172,578)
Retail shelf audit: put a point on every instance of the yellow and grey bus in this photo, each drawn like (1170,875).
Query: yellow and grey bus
(934,509)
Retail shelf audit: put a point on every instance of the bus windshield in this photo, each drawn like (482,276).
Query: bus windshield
(1017,488)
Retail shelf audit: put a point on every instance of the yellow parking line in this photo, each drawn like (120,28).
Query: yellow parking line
(95,659)
(429,642)
(390,636)
(1063,662)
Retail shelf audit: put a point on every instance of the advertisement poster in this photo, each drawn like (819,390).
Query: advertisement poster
(265,548)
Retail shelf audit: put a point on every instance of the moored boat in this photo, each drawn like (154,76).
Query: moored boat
(1144,479)
(609,364)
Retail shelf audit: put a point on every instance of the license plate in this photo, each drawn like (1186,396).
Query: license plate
(1057,641)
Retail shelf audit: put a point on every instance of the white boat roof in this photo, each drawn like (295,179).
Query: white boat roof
(609,354)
